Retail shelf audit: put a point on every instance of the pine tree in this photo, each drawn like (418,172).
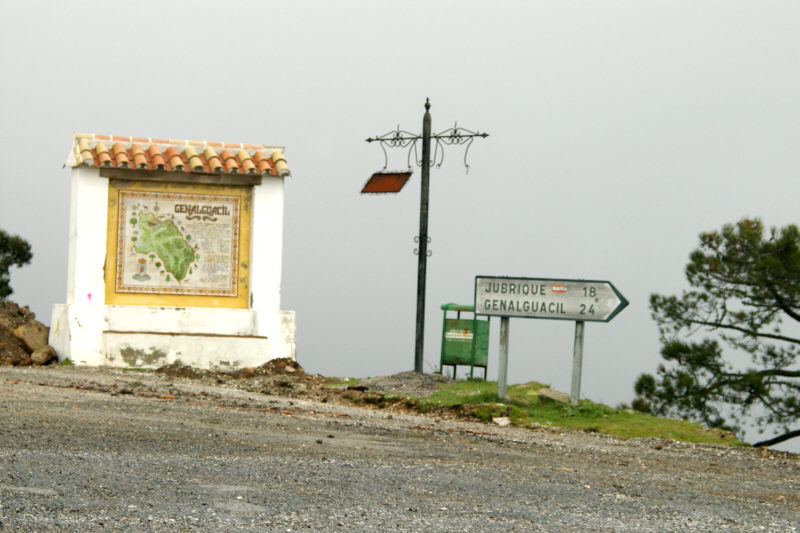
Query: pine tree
(14,251)
(745,295)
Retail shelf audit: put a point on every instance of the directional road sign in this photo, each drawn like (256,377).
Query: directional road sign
(561,299)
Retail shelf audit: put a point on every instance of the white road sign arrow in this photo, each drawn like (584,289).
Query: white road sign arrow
(560,299)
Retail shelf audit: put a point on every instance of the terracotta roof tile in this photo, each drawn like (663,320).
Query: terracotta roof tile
(262,163)
(120,157)
(280,162)
(139,158)
(174,159)
(230,162)
(170,155)
(213,160)
(103,158)
(246,162)
(85,151)
(195,163)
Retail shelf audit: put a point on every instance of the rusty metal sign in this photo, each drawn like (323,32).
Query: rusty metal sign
(386,182)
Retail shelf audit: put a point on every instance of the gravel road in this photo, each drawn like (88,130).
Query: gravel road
(101,449)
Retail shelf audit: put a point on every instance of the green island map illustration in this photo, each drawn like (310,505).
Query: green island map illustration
(161,238)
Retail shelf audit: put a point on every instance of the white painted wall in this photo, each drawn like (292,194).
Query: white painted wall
(87,250)
(190,320)
(265,274)
(266,237)
(76,328)
(149,350)
(88,332)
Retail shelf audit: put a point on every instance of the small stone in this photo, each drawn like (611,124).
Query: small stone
(547,393)
(502,421)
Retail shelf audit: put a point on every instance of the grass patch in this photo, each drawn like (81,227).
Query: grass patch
(65,362)
(526,408)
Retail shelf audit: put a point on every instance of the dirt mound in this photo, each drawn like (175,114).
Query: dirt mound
(411,383)
(274,367)
(283,365)
(285,377)
(20,336)
(11,350)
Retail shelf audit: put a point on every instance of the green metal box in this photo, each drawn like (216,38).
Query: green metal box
(465,341)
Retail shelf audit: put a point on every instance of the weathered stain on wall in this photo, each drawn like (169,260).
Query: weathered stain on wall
(138,358)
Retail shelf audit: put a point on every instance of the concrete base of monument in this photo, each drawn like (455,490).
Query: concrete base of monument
(149,337)
(150,350)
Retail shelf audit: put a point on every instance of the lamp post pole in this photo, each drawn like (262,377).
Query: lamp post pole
(423,237)
(404,139)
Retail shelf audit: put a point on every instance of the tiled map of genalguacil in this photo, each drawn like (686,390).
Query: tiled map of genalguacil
(177,243)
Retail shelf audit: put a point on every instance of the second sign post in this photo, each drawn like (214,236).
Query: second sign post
(557,299)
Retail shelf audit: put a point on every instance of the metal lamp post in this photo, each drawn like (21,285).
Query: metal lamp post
(384,182)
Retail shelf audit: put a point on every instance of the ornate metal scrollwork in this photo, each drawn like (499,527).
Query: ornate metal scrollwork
(416,250)
(454,135)
(396,139)
(401,139)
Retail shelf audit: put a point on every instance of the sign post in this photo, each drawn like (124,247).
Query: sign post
(577,364)
(555,299)
(502,368)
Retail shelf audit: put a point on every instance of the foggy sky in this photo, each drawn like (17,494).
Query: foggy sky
(618,132)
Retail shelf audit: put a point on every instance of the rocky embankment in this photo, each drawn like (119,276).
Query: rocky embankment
(23,339)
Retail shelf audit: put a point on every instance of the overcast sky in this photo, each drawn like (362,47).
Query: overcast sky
(618,132)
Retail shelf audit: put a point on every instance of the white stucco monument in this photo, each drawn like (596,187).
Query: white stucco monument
(174,254)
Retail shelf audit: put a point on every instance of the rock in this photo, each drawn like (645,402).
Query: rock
(502,421)
(33,335)
(553,395)
(43,355)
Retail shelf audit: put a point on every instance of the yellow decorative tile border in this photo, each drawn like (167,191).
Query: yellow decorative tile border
(173,285)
